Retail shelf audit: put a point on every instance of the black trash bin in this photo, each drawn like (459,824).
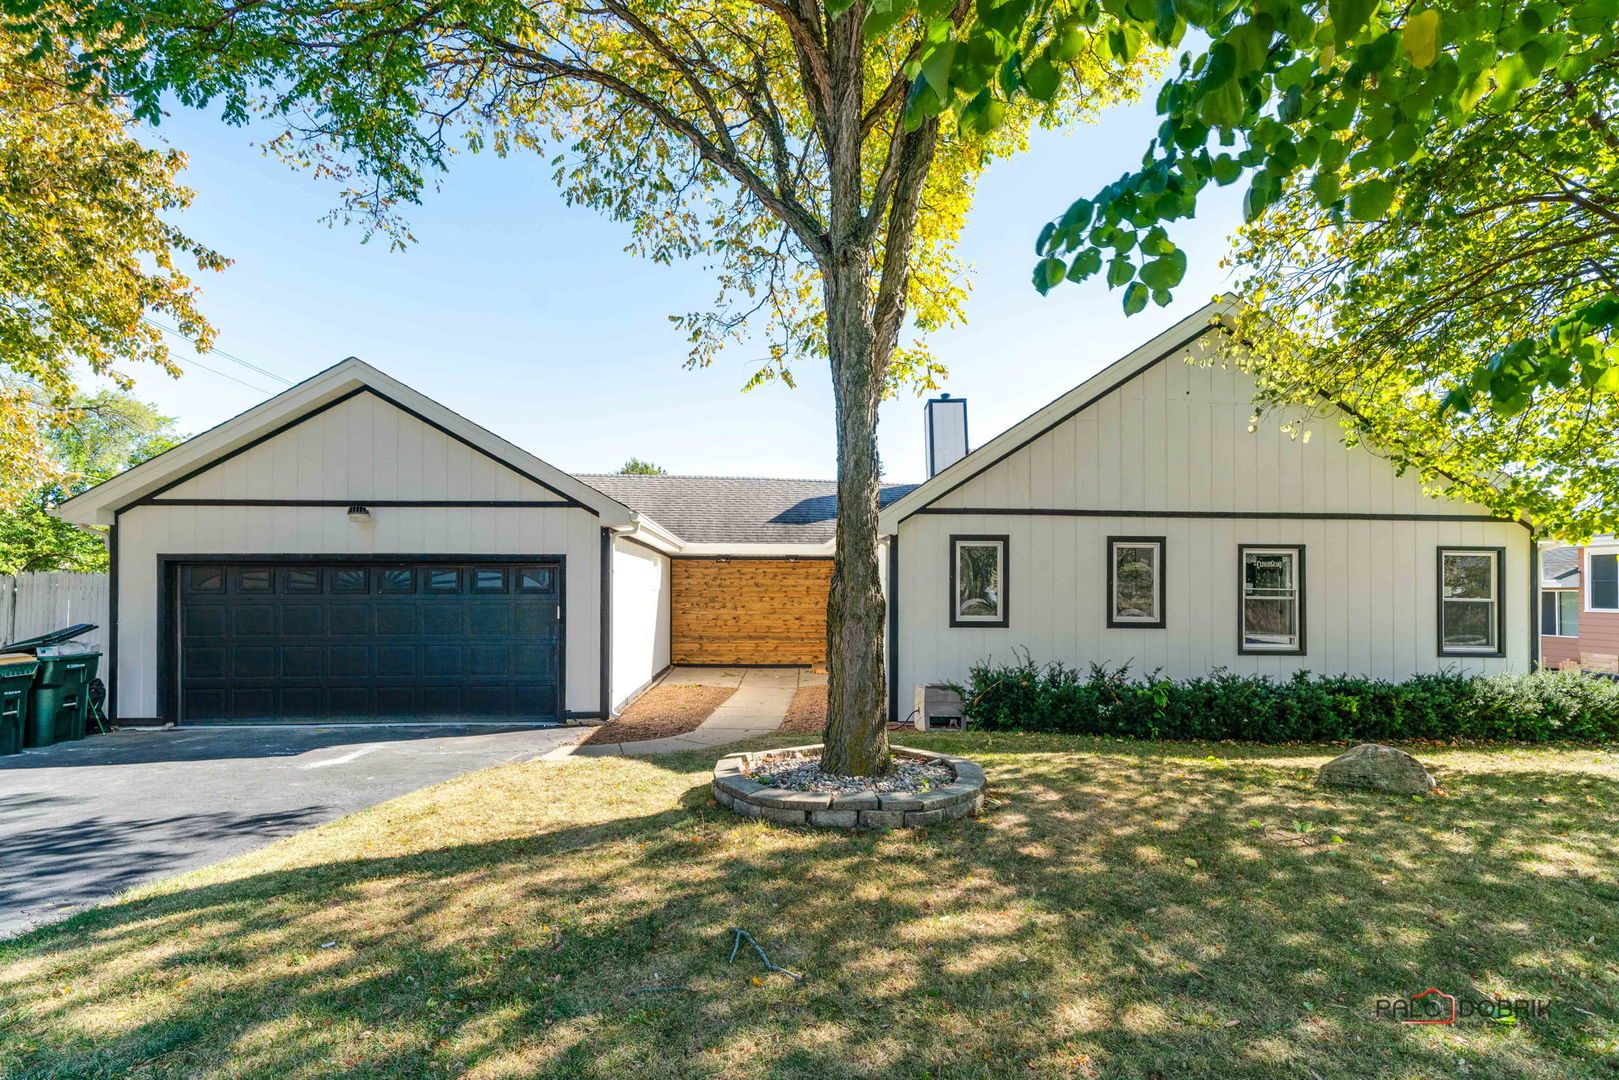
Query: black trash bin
(59,697)
(17,672)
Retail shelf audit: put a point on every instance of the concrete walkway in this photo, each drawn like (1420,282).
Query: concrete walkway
(758,706)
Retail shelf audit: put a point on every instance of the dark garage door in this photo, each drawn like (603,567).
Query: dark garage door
(380,641)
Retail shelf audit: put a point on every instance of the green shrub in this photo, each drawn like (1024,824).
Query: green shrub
(1562,706)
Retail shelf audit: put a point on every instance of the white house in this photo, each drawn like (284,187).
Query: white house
(352,549)
(1139,519)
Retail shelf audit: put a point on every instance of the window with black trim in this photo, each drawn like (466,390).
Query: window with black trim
(443,579)
(301,579)
(1470,610)
(1271,615)
(486,579)
(978,581)
(1135,582)
(1560,612)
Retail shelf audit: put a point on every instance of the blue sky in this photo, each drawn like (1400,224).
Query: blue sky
(527,316)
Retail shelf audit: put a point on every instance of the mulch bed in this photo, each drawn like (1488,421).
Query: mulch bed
(807,714)
(670,709)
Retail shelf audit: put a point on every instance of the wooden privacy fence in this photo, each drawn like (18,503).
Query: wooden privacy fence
(36,603)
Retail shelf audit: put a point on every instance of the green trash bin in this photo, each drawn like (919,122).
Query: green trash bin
(60,701)
(16,674)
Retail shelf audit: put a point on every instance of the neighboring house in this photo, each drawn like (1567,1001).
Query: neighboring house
(1579,605)
(353,549)
(1142,519)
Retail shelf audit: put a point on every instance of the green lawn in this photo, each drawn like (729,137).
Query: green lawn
(1122,910)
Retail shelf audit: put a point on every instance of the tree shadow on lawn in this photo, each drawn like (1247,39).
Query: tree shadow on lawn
(1063,934)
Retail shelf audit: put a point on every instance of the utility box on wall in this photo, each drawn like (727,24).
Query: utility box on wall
(938,708)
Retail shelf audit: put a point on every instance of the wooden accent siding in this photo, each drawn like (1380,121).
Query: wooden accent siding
(749,611)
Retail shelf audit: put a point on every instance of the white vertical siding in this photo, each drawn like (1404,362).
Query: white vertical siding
(145,532)
(362,447)
(1371,596)
(640,645)
(1175,440)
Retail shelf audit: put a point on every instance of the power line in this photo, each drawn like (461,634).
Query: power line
(221,353)
(228,375)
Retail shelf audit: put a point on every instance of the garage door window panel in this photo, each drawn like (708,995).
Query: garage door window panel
(369,642)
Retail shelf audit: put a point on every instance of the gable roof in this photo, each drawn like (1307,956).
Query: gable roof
(1177,338)
(736,509)
(100,504)
(1559,567)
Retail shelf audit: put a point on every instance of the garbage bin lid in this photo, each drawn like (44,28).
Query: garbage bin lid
(55,637)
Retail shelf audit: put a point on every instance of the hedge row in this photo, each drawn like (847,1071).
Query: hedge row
(1543,707)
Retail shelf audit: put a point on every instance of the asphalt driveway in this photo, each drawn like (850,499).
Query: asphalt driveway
(81,822)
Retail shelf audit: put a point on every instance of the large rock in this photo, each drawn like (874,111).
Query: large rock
(1377,767)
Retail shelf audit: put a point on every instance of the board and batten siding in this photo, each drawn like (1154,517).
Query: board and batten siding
(363,450)
(640,634)
(1175,439)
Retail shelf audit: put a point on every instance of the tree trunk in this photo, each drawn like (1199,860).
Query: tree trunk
(856,734)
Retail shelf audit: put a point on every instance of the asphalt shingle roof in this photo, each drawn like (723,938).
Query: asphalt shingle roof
(1559,567)
(735,509)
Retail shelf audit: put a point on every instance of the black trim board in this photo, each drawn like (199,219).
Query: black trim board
(1006,581)
(1160,596)
(605,645)
(1500,554)
(891,654)
(1254,515)
(532,504)
(112,620)
(1242,595)
(754,558)
(1534,602)
(1149,365)
(340,399)
(168,586)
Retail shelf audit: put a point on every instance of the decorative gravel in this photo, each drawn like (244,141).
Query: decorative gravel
(805,774)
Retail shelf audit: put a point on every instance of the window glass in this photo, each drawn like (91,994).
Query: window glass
(1560,612)
(489,579)
(444,579)
(980,570)
(535,579)
(1137,576)
(1468,602)
(396,579)
(348,579)
(1604,582)
(1568,613)
(256,579)
(1270,600)
(302,579)
(205,578)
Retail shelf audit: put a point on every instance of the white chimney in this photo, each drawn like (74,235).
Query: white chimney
(946,432)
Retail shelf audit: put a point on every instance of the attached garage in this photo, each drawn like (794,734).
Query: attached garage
(750,611)
(351,550)
(368,640)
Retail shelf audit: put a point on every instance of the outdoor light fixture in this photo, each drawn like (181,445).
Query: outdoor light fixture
(359,514)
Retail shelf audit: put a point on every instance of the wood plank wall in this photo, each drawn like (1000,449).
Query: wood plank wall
(749,611)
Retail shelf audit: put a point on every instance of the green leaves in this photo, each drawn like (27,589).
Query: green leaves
(1135,298)
(1349,17)
(1047,273)
(1420,38)
(1166,272)
(1370,199)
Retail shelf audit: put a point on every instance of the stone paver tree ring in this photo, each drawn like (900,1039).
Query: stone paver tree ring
(928,788)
